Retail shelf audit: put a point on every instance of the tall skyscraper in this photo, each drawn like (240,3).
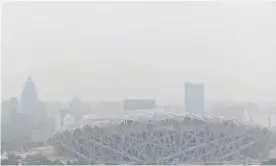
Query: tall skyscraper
(29,101)
(271,121)
(76,108)
(9,109)
(194,98)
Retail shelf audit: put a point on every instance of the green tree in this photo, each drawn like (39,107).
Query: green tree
(11,160)
(269,162)
(39,161)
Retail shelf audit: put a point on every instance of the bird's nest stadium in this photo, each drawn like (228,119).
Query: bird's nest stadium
(158,137)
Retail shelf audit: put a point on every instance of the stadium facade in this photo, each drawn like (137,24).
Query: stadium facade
(157,137)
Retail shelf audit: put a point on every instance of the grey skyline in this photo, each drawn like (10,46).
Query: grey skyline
(115,50)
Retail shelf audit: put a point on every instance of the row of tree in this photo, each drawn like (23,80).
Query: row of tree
(269,162)
(34,160)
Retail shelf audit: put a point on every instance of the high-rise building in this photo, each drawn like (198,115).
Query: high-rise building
(194,98)
(29,101)
(9,109)
(76,108)
(271,121)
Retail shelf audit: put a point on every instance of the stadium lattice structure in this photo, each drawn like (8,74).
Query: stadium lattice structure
(163,138)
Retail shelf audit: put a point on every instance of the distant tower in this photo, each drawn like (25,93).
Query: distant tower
(271,121)
(194,98)
(246,117)
(76,108)
(29,101)
(9,109)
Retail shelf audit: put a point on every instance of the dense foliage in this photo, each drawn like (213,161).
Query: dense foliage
(36,160)
(40,161)
(11,160)
(269,162)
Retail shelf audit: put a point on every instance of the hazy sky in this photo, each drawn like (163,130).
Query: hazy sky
(117,50)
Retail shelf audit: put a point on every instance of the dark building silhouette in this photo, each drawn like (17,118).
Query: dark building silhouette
(194,98)
(76,108)
(139,104)
(29,101)
(9,109)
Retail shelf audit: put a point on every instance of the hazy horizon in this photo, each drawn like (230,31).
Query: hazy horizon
(118,50)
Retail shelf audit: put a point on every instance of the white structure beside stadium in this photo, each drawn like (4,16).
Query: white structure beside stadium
(156,137)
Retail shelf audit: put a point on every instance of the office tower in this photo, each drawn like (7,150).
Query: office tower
(194,98)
